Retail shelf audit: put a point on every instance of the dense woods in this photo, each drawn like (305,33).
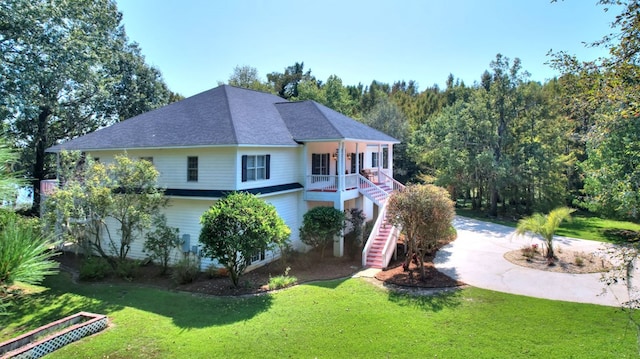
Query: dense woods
(504,144)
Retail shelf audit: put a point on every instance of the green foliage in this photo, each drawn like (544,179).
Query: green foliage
(162,241)
(612,181)
(425,215)
(498,143)
(68,69)
(127,268)
(238,226)
(354,238)
(603,98)
(470,323)
(186,270)
(320,225)
(286,84)
(247,77)
(545,226)
(124,190)
(25,251)
(10,180)
(95,268)
(282,281)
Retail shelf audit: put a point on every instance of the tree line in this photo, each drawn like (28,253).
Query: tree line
(504,144)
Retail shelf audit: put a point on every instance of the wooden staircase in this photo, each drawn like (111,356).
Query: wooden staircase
(374,258)
(382,241)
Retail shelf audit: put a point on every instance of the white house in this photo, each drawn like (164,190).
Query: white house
(295,155)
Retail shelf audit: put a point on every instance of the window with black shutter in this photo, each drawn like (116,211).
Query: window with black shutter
(256,167)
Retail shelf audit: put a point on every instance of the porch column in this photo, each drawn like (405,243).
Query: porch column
(305,165)
(357,160)
(341,165)
(338,242)
(379,162)
(390,159)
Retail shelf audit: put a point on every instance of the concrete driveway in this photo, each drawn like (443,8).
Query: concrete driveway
(476,258)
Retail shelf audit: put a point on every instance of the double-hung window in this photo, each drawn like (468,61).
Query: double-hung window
(192,169)
(360,162)
(256,167)
(257,257)
(320,164)
(374,159)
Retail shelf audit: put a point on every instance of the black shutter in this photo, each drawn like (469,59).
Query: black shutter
(267,164)
(244,168)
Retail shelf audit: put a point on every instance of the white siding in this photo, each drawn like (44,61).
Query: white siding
(216,166)
(285,166)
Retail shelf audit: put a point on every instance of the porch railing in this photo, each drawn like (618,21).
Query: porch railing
(48,186)
(322,183)
(351,181)
(330,183)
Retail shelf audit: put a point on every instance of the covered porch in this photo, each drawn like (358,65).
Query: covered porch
(343,166)
(354,172)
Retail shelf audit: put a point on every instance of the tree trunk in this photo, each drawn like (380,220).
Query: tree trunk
(423,274)
(40,142)
(493,209)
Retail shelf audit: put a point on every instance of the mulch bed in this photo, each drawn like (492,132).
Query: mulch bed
(395,274)
(305,267)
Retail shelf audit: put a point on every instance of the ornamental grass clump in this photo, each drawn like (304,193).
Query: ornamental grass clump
(25,251)
(282,281)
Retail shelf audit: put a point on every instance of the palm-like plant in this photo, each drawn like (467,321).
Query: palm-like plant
(545,226)
(25,254)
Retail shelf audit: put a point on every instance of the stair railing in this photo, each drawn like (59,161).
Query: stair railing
(370,189)
(374,233)
(395,185)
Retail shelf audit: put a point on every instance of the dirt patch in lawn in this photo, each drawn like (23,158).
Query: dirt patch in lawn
(306,267)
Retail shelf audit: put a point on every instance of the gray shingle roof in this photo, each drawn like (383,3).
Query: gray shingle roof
(311,121)
(226,115)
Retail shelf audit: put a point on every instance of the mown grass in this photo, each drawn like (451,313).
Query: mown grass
(334,319)
(583,225)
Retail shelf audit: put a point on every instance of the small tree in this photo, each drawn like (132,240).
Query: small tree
(320,225)
(545,226)
(237,227)
(356,218)
(425,214)
(124,190)
(161,242)
(136,198)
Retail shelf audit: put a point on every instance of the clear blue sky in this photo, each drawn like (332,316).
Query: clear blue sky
(196,43)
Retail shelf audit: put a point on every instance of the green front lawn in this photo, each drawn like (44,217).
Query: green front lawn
(334,319)
(583,225)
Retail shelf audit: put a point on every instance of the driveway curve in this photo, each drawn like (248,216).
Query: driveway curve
(476,257)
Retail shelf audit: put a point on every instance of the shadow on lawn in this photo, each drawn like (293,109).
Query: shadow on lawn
(449,298)
(188,311)
(329,284)
(34,310)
